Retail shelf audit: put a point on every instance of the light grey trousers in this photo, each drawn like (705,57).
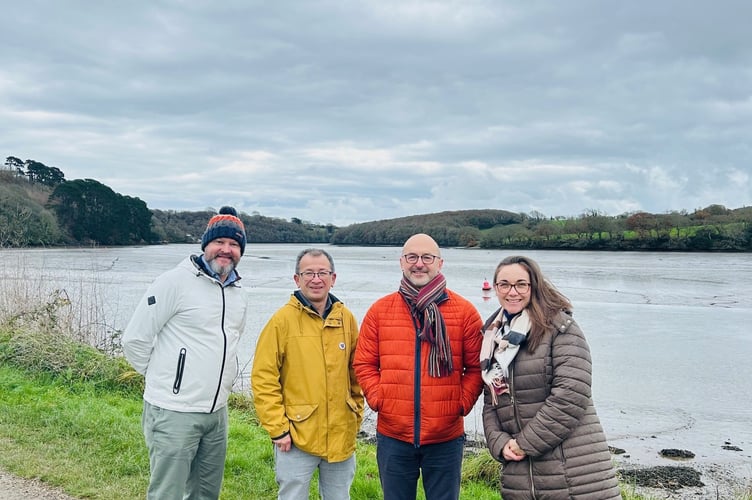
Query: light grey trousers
(295,468)
(186,453)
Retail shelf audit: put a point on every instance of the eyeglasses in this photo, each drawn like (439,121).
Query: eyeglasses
(309,275)
(505,286)
(427,258)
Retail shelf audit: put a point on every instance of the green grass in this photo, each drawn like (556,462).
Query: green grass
(79,429)
(70,415)
(87,441)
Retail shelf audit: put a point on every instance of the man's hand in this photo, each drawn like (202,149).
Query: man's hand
(284,443)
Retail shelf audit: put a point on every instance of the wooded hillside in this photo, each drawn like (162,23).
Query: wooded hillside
(38,207)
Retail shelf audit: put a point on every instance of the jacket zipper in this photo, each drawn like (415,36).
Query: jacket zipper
(519,426)
(179,371)
(416,393)
(224,351)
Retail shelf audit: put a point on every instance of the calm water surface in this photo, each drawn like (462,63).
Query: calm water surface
(669,332)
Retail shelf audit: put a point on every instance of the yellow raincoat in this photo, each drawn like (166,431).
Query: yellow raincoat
(303,382)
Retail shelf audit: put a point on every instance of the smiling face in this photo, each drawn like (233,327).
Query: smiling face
(222,255)
(420,248)
(510,297)
(316,287)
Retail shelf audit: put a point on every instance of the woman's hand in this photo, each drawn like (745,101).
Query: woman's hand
(512,452)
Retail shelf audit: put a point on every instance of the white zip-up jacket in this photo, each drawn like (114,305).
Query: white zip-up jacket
(183,337)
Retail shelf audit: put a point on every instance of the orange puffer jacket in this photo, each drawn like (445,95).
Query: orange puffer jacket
(391,364)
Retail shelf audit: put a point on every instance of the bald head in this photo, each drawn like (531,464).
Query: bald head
(424,244)
(420,272)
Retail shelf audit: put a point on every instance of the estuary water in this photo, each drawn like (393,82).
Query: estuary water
(670,333)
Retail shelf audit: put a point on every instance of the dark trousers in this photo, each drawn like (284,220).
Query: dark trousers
(401,464)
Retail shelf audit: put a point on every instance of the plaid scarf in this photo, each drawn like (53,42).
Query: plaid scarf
(499,349)
(424,308)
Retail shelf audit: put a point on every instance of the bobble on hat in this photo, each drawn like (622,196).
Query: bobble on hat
(226,224)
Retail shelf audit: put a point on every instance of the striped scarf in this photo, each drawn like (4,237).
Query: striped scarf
(424,306)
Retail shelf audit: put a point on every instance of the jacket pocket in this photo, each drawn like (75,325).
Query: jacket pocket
(353,417)
(304,428)
(179,372)
(352,404)
(299,413)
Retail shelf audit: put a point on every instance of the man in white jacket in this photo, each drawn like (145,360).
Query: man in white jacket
(183,337)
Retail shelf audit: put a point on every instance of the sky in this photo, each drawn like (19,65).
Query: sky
(339,112)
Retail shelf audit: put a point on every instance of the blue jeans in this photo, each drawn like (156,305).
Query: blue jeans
(401,463)
(295,468)
(186,453)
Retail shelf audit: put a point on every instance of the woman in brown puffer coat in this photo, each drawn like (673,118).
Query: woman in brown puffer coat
(538,415)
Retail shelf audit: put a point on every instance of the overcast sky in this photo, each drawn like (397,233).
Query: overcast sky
(353,111)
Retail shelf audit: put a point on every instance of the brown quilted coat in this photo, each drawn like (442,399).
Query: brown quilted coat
(550,412)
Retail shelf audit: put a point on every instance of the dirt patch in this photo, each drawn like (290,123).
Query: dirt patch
(674,453)
(17,488)
(662,476)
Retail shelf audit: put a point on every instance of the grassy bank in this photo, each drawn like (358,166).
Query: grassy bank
(70,413)
(71,416)
(89,442)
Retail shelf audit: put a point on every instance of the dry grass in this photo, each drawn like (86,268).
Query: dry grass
(71,305)
(60,331)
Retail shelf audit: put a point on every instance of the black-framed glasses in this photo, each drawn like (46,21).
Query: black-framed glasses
(309,275)
(505,286)
(427,258)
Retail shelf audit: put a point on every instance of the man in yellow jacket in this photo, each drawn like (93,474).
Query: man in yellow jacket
(306,394)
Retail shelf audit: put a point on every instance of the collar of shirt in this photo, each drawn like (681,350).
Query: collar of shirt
(307,303)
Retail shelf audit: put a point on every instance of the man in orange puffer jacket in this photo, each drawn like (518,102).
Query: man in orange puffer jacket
(417,361)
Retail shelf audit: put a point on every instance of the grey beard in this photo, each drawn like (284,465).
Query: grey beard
(221,270)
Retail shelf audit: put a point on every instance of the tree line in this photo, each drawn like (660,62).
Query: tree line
(713,228)
(39,207)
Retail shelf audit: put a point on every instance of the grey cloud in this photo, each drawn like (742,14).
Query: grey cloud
(352,111)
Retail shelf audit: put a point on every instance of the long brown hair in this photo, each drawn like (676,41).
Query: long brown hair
(545,300)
